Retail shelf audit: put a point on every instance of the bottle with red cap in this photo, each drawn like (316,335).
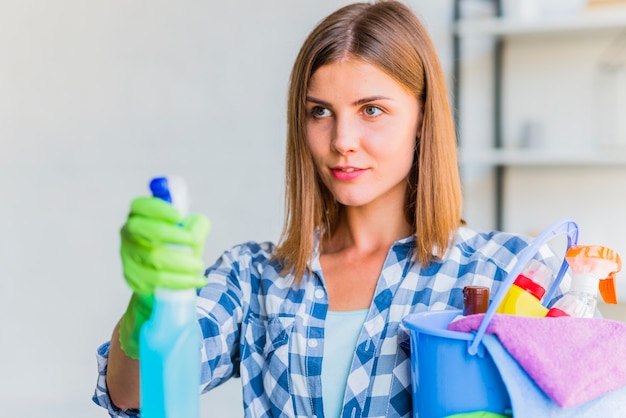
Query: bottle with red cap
(524,296)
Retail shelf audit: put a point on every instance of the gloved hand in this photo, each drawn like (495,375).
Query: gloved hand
(150,258)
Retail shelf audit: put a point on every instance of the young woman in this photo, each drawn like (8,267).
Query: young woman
(373,232)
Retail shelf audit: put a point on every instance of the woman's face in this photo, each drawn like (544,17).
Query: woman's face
(361,130)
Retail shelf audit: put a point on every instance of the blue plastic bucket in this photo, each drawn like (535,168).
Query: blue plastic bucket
(445,378)
(451,372)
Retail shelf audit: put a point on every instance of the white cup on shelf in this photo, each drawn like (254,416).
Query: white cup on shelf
(537,9)
(521,9)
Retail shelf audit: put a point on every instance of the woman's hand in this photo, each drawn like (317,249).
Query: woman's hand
(159,248)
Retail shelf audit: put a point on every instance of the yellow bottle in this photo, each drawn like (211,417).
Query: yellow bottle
(524,296)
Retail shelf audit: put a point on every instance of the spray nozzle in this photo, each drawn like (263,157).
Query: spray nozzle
(594,265)
(172,189)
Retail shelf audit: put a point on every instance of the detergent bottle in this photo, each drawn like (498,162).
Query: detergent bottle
(593,268)
(524,296)
(169,342)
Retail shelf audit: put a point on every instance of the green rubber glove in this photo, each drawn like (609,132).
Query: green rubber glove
(150,258)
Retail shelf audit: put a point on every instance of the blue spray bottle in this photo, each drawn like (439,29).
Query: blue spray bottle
(169,342)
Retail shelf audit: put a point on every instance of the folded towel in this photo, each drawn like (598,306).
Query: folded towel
(573,360)
(528,401)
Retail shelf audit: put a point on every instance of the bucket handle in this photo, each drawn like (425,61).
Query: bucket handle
(563,226)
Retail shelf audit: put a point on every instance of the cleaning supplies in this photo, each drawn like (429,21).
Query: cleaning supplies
(524,296)
(593,268)
(169,342)
(475,299)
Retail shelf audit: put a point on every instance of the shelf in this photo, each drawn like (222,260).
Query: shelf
(606,18)
(533,158)
(596,21)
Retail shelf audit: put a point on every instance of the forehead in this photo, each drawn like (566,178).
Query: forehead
(353,77)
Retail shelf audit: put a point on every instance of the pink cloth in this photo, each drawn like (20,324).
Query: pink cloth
(573,360)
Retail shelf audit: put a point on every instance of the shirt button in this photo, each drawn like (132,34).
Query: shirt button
(319,293)
(312,343)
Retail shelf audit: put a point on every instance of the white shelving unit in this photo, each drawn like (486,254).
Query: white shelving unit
(503,30)
(521,157)
(601,19)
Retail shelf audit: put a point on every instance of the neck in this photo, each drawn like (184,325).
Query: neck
(368,229)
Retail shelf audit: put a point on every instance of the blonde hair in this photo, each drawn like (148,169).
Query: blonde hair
(388,35)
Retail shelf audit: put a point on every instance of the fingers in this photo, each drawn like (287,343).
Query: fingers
(144,278)
(154,232)
(178,259)
(198,227)
(151,207)
(161,249)
(153,222)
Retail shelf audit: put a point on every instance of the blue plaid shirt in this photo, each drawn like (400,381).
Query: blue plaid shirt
(248,311)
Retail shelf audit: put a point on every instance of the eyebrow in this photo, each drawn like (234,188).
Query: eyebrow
(356,103)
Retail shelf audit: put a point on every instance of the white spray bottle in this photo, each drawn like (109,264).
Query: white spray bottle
(593,268)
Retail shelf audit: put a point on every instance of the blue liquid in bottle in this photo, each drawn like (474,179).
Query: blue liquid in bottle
(169,343)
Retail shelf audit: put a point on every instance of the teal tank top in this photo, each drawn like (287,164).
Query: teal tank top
(341,333)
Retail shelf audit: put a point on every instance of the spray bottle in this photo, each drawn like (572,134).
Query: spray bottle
(524,296)
(593,268)
(169,342)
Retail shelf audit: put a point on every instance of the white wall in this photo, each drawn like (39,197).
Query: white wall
(97,97)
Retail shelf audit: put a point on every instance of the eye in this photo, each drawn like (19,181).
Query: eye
(319,112)
(372,110)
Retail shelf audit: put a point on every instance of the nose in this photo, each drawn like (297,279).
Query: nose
(345,136)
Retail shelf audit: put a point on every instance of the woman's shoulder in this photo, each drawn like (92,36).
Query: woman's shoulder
(498,246)
(251,252)
(254,247)
(471,236)
(245,261)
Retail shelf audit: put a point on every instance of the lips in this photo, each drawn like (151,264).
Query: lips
(347,173)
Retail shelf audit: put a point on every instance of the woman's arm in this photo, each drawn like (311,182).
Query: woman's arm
(122,375)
